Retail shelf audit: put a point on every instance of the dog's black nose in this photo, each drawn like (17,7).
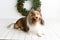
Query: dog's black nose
(36,17)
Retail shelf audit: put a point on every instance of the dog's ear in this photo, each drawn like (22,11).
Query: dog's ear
(38,9)
(31,10)
(42,22)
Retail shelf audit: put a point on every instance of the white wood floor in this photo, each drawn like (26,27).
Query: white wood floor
(52,31)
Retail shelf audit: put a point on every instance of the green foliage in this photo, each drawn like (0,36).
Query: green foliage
(36,4)
(20,1)
(24,11)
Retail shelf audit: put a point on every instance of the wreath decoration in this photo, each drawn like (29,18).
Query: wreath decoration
(35,4)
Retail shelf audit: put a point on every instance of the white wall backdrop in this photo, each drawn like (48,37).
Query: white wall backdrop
(50,9)
(8,9)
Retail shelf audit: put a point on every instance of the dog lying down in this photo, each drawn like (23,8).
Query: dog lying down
(31,23)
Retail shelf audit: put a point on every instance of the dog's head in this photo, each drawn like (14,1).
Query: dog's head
(35,16)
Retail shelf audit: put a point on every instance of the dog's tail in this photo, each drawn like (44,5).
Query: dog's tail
(10,25)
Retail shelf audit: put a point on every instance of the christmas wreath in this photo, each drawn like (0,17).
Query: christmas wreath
(24,11)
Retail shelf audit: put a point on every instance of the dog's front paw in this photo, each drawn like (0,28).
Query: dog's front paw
(39,35)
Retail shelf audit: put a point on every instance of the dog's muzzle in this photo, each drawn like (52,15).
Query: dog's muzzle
(36,19)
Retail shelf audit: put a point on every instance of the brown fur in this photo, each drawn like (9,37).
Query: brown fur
(22,24)
(32,16)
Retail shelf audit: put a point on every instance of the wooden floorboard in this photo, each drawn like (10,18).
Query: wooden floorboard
(11,33)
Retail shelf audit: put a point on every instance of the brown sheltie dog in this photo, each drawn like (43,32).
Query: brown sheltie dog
(31,23)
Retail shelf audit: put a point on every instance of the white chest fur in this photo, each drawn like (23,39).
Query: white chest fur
(35,28)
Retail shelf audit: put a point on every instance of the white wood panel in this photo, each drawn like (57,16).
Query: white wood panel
(10,33)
